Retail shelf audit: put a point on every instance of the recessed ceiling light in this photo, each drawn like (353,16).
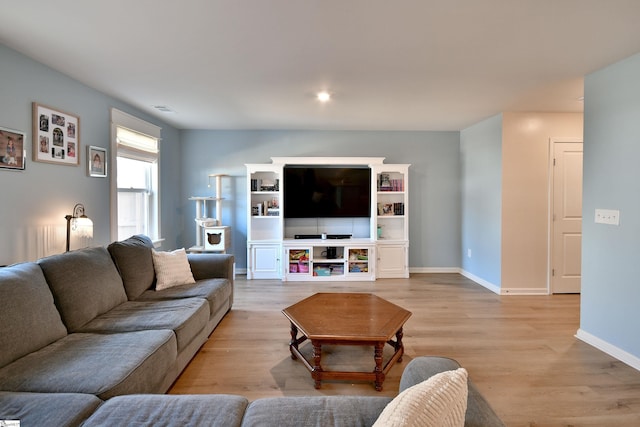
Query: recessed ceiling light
(323,96)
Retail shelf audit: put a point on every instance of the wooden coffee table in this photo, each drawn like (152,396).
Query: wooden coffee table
(347,319)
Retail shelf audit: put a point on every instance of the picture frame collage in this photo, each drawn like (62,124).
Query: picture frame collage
(55,139)
(56,136)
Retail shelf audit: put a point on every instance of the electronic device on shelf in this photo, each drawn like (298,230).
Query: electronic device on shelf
(332,191)
(338,236)
(308,236)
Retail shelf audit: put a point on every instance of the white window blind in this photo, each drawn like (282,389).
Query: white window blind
(136,145)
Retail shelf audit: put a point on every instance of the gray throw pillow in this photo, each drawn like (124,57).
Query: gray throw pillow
(134,261)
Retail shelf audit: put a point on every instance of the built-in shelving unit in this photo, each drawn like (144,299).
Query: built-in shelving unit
(264,223)
(379,244)
(391,219)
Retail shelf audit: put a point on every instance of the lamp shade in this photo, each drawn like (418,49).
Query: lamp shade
(79,224)
(83,227)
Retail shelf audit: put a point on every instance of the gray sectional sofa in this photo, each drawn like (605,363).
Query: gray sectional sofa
(85,339)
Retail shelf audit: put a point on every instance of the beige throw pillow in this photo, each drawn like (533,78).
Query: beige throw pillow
(440,401)
(172,269)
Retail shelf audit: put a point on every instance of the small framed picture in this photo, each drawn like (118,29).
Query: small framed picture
(96,161)
(56,136)
(12,150)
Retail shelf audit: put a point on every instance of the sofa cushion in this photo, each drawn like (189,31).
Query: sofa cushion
(105,365)
(133,259)
(85,284)
(171,410)
(438,401)
(216,291)
(172,269)
(185,317)
(318,411)
(47,409)
(29,319)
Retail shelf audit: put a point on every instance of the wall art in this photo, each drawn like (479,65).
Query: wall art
(56,136)
(96,161)
(12,149)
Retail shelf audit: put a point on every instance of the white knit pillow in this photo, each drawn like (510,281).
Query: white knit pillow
(440,401)
(172,269)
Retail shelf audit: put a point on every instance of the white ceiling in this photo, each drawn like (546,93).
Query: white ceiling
(389,65)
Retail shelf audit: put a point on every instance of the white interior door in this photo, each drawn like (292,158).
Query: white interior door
(566,251)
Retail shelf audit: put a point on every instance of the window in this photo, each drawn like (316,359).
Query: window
(135,195)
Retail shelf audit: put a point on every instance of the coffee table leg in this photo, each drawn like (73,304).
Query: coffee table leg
(317,369)
(399,345)
(294,340)
(378,370)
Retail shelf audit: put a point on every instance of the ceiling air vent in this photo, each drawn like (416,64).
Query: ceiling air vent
(163,109)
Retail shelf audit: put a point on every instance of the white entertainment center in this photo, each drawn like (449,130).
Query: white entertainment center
(327,248)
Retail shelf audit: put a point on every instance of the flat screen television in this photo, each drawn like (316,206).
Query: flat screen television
(327,191)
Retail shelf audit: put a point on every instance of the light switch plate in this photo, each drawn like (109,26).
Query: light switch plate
(607,216)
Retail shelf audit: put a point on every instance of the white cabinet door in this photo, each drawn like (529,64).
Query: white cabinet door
(392,261)
(264,261)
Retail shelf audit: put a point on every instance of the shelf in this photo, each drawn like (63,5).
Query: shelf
(328,260)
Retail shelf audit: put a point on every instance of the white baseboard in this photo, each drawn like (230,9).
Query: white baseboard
(610,349)
(523,291)
(493,288)
(434,270)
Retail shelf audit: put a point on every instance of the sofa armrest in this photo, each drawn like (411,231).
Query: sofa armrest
(423,368)
(479,412)
(212,266)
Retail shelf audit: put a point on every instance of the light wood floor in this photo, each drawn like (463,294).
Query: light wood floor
(520,351)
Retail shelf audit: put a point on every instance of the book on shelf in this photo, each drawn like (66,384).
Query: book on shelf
(386,183)
(267,185)
(385,209)
(266,208)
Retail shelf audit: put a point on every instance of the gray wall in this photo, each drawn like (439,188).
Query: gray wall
(481,154)
(34,202)
(610,267)
(434,188)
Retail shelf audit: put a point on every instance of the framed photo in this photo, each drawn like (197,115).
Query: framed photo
(56,136)
(12,149)
(96,161)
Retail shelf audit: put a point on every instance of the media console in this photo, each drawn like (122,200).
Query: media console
(282,246)
(320,259)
